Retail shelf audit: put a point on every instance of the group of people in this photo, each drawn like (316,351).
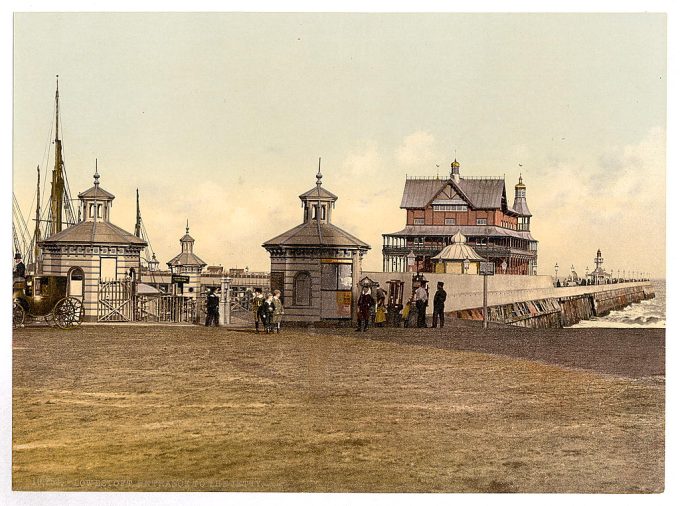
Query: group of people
(267,310)
(413,312)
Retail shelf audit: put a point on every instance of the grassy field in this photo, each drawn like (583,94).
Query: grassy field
(390,410)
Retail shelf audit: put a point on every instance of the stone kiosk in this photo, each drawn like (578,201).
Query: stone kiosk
(93,251)
(316,265)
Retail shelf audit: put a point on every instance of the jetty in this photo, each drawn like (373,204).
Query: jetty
(527,301)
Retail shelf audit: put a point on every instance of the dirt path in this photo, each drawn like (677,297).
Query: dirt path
(162,408)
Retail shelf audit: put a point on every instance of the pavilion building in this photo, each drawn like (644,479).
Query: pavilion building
(438,208)
(92,252)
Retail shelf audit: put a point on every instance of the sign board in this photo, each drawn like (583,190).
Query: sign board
(176,278)
(486,268)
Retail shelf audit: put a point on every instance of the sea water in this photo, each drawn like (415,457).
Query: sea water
(645,314)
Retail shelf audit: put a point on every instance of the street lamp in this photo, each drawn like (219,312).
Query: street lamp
(556,269)
(410,260)
(466,265)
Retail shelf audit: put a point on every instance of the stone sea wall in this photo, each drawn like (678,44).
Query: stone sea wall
(529,301)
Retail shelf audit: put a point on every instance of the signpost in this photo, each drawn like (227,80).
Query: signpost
(486,269)
(176,278)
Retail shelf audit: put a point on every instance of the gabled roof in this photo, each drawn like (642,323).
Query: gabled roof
(97,192)
(482,193)
(88,232)
(418,192)
(307,234)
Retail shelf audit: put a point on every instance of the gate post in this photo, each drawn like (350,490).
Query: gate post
(225,303)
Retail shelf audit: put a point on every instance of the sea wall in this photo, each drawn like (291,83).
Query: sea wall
(530,301)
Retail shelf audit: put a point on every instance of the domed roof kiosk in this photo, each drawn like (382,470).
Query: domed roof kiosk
(316,264)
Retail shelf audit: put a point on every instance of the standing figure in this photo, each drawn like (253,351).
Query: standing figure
(421,303)
(364,306)
(405,313)
(438,303)
(19,270)
(255,305)
(213,308)
(380,313)
(278,311)
(267,312)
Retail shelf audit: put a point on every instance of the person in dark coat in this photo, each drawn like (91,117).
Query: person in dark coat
(267,312)
(438,305)
(212,308)
(19,267)
(364,305)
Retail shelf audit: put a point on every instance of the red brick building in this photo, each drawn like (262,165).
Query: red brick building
(437,208)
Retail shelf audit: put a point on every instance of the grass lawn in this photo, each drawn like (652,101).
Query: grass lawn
(391,410)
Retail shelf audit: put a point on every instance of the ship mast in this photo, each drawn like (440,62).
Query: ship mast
(138,221)
(36,237)
(57,193)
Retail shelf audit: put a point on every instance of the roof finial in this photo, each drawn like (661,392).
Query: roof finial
(96,173)
(187,225)
(318,174)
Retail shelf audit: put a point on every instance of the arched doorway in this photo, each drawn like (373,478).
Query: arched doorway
(76,282)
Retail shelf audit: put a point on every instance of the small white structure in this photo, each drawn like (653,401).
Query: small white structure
(457,257)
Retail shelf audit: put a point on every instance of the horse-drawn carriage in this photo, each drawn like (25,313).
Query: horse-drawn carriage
(45,297)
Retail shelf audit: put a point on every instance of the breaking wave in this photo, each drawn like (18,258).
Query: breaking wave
(646,314)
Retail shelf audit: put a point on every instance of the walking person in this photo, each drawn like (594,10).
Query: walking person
(212,308)
(364,305)
(255,305)
(421,303)
(438,303)
(267,312)
(278,311)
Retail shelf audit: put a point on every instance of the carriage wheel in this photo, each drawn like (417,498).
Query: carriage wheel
(18,315)
(68,313)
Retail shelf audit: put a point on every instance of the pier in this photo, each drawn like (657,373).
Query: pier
(527,301)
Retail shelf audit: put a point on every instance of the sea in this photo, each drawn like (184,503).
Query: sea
(646,314)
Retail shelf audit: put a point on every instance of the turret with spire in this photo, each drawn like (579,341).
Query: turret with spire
(520,206)
(455,170)
(96,202)
(318,202)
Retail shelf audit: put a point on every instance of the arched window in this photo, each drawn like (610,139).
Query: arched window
(302,289)
(76,282)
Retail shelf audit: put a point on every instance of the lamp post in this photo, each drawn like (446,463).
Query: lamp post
(486,273)
(587,271)
(556,269)
(410,260)
(225,302)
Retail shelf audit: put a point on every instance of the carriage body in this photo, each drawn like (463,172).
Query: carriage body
(45,297)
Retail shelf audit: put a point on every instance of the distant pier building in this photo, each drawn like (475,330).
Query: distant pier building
(316,265)
(186,268)
(438,208)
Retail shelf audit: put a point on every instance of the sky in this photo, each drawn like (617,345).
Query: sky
(220,118)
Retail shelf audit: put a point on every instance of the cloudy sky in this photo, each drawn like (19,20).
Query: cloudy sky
(220,119)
